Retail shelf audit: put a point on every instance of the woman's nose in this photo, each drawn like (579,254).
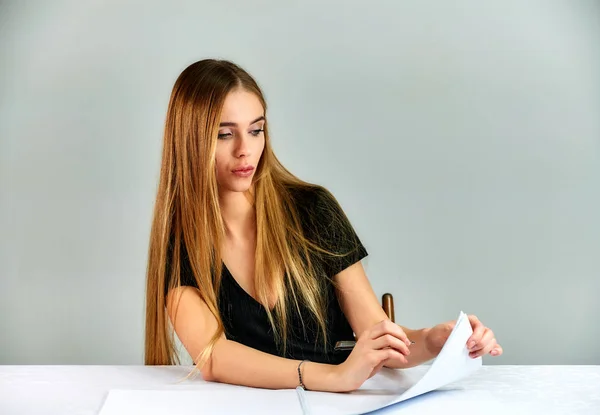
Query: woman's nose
(242,146)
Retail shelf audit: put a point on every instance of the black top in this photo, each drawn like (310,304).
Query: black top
(245,319)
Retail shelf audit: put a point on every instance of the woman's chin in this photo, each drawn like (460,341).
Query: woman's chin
(237,187)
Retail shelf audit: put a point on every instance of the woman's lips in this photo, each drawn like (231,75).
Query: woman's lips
(243,171)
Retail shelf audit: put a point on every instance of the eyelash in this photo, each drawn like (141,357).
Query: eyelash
(255,133)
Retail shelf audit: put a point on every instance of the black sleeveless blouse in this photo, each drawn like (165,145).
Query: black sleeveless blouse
(245,319)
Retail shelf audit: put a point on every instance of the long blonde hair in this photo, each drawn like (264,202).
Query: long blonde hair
(187,211)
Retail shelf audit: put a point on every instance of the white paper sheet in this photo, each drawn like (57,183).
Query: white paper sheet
(453,363)
(223,399)
(454,402)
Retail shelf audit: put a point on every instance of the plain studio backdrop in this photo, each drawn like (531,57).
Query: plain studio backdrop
(461,138)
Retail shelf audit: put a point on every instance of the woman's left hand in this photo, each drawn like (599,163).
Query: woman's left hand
(481,342)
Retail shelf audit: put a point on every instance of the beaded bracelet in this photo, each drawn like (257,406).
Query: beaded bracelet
(300,375)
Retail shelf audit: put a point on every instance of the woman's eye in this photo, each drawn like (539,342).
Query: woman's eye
(224,136)
(256,132)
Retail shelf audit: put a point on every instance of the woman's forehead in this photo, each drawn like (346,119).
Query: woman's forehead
(242,108)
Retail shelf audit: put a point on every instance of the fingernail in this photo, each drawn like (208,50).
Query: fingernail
(494,352)
(471,344)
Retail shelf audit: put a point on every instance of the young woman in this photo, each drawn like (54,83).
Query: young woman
(257,271)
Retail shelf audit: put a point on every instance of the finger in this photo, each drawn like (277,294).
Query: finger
(387,327)
(391,355)
(387,340)
(478,330)
(488,336)
(488,348)
(377,368)
(497,351)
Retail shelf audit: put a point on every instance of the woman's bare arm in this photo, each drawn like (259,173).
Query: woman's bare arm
(234,363)
(363,310)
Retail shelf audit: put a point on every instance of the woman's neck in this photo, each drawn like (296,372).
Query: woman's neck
(239,216)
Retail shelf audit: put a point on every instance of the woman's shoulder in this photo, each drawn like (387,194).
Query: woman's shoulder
(317,207)
(326,223)
(312,196)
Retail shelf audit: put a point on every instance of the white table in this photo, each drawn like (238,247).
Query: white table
(82,389)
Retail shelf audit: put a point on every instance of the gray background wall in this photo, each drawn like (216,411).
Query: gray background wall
(462,138)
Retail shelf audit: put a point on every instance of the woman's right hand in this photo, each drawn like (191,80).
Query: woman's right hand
(384,342)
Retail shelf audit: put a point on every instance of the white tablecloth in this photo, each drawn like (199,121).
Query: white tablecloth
(82,389)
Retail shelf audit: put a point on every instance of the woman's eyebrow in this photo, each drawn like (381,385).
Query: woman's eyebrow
(233,124)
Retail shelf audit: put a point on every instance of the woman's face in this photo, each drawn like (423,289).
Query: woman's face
(241,141)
